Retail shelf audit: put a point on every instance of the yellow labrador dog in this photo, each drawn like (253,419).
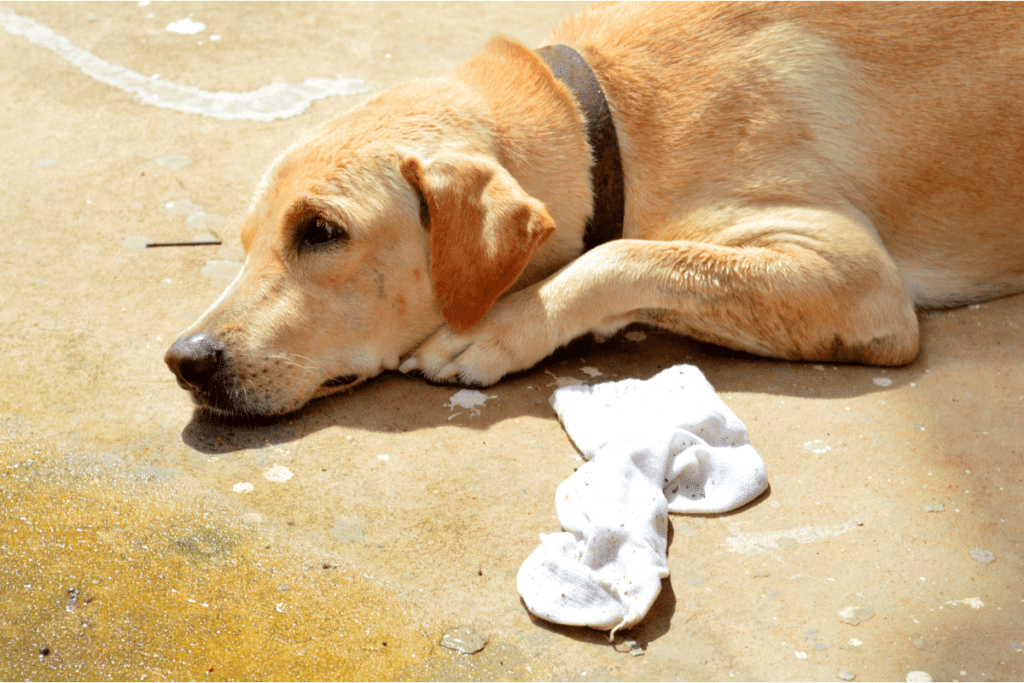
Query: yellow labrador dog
(796,179)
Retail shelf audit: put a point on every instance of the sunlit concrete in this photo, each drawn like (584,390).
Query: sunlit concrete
(137,541)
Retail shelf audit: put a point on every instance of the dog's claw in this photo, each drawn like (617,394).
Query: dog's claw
(448,372)
(409,364)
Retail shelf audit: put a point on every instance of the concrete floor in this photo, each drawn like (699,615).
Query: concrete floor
(139,542)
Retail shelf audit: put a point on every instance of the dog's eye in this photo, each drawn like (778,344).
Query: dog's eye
(318,232)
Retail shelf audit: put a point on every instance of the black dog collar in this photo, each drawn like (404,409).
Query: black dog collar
(606,174)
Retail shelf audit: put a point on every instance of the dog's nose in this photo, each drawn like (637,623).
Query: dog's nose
(194,359)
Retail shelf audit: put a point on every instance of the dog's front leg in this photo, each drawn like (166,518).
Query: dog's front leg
(799,284)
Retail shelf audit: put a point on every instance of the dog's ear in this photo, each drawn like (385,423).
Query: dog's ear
(483,231)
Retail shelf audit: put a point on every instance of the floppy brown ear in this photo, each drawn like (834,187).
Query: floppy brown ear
(483,231)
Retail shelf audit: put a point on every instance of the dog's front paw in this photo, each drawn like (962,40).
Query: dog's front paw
(480,356)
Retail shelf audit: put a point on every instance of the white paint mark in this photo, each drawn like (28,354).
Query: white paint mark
(636,336)
(757,542)
(468,398)
(279,607)
(593,372)
(855,643)
(562,381)
(882,381)
(801,655)
(817,446)
(271,102)
(242,487)
(214,37)
(173,161)
(185,26)
(278,473)
(385,458)
(200,220)
(973,603)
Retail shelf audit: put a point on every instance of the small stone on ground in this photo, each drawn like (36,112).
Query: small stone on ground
(464,640)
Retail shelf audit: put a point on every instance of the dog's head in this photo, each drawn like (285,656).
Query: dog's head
(358,246)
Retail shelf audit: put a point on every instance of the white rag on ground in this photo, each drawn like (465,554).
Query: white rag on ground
(666,444)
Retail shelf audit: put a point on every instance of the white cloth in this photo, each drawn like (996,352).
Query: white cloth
(666,444)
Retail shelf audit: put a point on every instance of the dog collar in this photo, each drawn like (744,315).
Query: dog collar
(605,223)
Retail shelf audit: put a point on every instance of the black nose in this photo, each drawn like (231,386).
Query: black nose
(194,359)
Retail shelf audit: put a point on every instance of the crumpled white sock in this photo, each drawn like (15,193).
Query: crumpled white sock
(654,446)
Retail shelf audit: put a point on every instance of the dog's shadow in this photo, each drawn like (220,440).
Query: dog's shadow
(395,403)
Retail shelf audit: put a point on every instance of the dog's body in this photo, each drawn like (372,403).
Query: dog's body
(798,178)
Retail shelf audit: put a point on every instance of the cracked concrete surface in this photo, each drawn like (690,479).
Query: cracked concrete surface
(342,542)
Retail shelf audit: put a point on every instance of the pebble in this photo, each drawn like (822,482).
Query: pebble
(817,446)
(934,506)
(922,644)
(464,640)
(631,646)
(983,556)
(854,614)
(918,677)
(173,161)
(185,26)
(278,474)
(759,574)
(847,675)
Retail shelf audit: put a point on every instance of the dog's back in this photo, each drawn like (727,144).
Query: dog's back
(909,113)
